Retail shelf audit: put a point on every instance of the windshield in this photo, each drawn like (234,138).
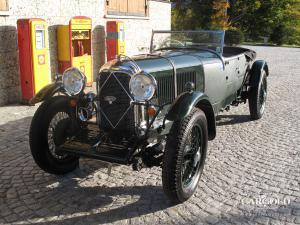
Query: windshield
(213,40)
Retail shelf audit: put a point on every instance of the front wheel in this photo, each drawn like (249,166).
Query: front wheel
(184,156)
(49,129)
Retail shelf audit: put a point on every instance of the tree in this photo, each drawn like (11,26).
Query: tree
(278,34)
(191,15)
(220,18)
(256,18)
(292,22)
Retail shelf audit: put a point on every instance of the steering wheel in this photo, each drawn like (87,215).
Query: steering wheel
(170,41)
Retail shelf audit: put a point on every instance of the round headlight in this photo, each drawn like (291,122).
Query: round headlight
(142,86)
(73,81)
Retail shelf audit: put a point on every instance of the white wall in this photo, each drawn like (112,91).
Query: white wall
(138,34)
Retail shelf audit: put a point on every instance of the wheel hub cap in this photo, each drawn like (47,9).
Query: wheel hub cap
(197,158)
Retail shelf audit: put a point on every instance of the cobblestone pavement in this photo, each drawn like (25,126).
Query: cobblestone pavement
(251,176)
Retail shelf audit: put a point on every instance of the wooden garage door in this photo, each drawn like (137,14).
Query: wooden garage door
(126,7)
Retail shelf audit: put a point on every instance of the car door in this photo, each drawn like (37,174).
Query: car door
(231,79)
(241,67)
(215,82)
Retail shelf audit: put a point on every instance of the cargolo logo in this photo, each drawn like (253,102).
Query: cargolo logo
(265,201)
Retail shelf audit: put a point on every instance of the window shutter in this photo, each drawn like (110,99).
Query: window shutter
(123,7)
(137,7)
(127,7)
(3,5)
(112,6)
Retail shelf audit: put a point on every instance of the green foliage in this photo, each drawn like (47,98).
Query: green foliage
(278,35)
(277,19)
(191,15)
(292,22)
(234,37)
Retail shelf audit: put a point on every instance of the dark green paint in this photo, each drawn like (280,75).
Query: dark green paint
(46,92)
(256,71)
(183,105)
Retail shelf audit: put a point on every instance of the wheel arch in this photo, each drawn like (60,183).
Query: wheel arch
(208,110)
(256,70)
(47,92)
(183,105)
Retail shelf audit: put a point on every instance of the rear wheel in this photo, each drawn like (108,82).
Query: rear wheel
(184,156)
(258,97)
(49,129)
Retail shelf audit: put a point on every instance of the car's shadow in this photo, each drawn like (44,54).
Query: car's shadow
(87,194)
(102,204)
(222,120)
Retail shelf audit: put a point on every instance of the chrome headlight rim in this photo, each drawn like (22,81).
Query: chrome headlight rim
(82,80)
(153,83)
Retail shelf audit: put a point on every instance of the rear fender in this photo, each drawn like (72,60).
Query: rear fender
(183,105)
(47,92)
(256,70)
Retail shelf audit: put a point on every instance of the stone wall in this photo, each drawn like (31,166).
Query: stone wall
(138,34)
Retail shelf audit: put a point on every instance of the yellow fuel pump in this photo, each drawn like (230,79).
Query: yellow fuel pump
(74,43)
(33,56)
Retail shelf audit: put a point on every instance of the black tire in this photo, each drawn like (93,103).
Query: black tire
(50,162)
(175,156)
(257,98)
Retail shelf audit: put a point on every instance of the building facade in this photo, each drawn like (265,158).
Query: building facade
(139,16)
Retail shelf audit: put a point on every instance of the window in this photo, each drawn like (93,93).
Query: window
(127,7)
(4,7)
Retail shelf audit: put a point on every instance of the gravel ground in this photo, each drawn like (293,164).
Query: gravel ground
(252,174)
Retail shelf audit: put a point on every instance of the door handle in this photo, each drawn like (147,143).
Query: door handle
(226,77)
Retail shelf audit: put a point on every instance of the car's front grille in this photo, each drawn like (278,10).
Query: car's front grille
(183,78)
(118,114)
(115,110)
(165,85)
(165,88)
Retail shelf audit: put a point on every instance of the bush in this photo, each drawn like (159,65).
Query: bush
(234,37)
(278,35)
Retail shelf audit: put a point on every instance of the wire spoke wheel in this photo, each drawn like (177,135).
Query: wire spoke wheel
(49,129)
(184,156)
(263,95)
(257,95)
(57,134)
(191,156)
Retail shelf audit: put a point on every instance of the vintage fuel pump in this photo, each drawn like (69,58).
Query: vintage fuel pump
(74,43)
(33,56)
(115,39)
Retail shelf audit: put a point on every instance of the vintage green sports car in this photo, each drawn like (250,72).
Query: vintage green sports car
(155,109)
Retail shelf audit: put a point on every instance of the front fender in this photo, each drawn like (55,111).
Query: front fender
(46,92)
(184,104)
(256,71)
